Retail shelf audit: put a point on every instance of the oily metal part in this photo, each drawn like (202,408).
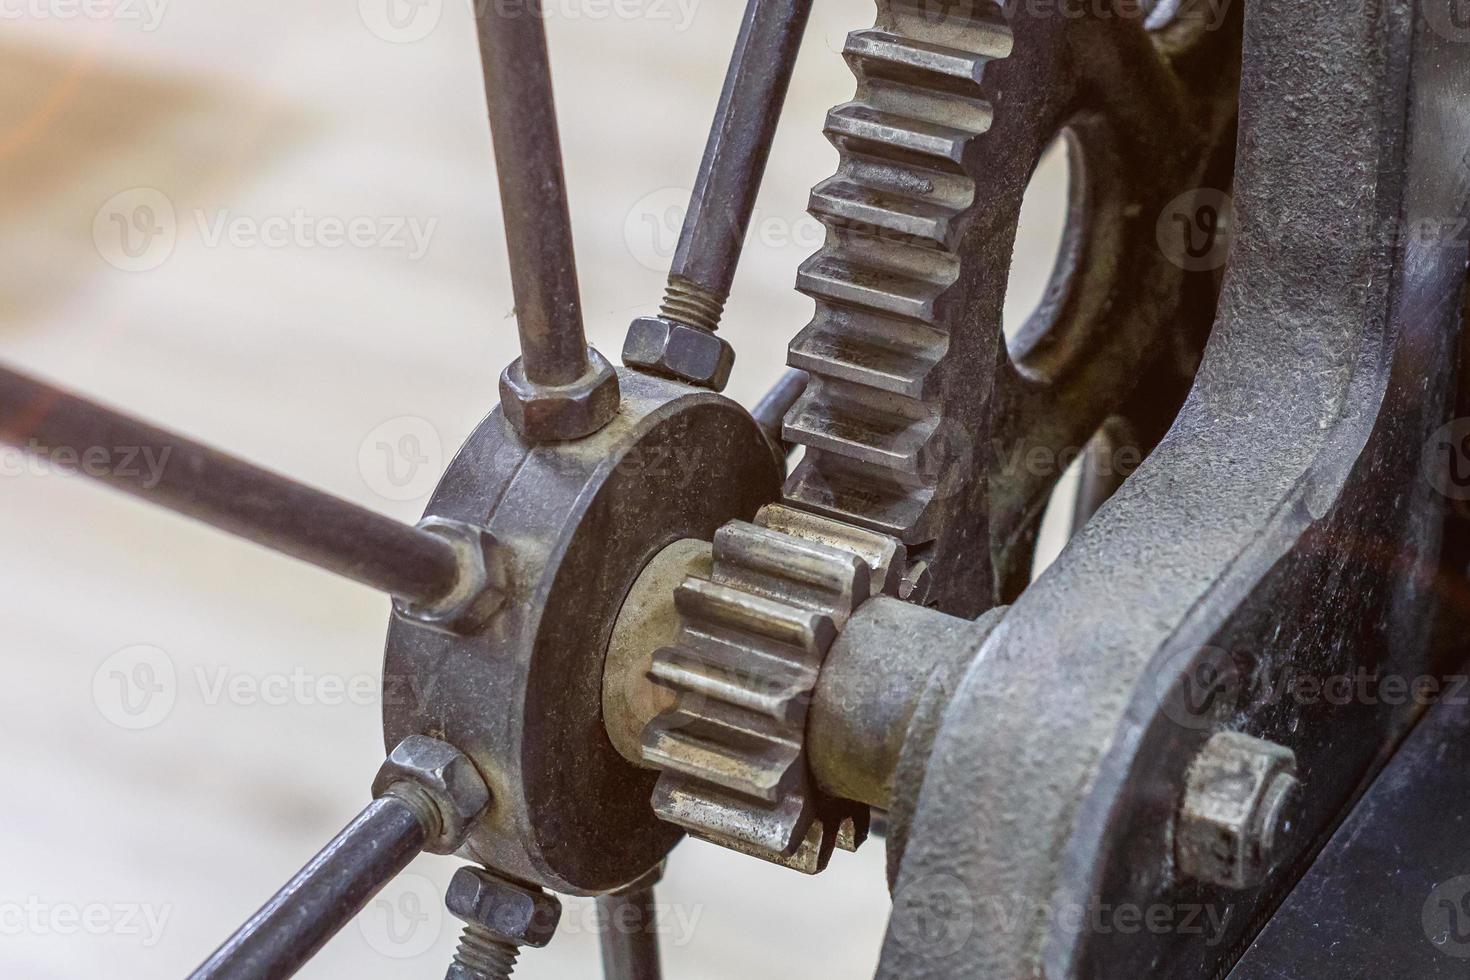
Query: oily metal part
(755,633)
(955,105)
(1282,528)
(523,698)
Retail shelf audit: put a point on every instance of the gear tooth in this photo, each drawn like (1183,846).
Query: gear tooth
(764,685)
(829,277)
(724,606)
(869,497)
(895,212)
(732,749)
(884,555)
(868,434)
(844,203)
(900,360)
(758,767)
(767,831)
(790,569)
(977,26)
(858,127)
(878,53)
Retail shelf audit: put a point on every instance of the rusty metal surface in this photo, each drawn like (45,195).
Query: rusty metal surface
(1282,525)
(579,521)
(917,413)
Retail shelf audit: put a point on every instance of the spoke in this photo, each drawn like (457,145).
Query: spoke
(770,411)
(735,158)
(628,922)
(323,897)
(533,194)
(428,795)
(227,493)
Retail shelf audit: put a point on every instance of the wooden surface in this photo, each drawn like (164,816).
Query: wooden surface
(267,129)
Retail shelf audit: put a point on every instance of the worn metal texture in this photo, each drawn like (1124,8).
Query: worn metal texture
(734,160)
(533,192)
(915,414)
(324,896)
(628,921)
(1282,526)
(523,699)
(228,493)
(744,665)
(1387,896)
(872,682)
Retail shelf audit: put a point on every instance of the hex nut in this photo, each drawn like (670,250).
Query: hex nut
(558,413)
(483,586)
(1240,806)
(676,350)
(513,913)
(447,776)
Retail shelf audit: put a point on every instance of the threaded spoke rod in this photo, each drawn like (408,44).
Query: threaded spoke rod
(533,194)
(235,496)
(324,896)
(735,160)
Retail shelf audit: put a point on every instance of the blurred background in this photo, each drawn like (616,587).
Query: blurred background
(274,227)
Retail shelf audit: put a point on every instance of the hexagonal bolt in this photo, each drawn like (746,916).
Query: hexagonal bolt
(1241,805)
(559,388)
(559,413)
(680,343)
(426,796)
(479,593)
(500,917)
(673,349)
(441,782)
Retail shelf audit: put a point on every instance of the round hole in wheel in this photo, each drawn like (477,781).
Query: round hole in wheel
(1048,243)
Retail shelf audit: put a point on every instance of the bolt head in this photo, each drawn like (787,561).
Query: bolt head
(484,580)
(676,350)
(449,777)
(1240,805)
(514,913)
(558,413)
